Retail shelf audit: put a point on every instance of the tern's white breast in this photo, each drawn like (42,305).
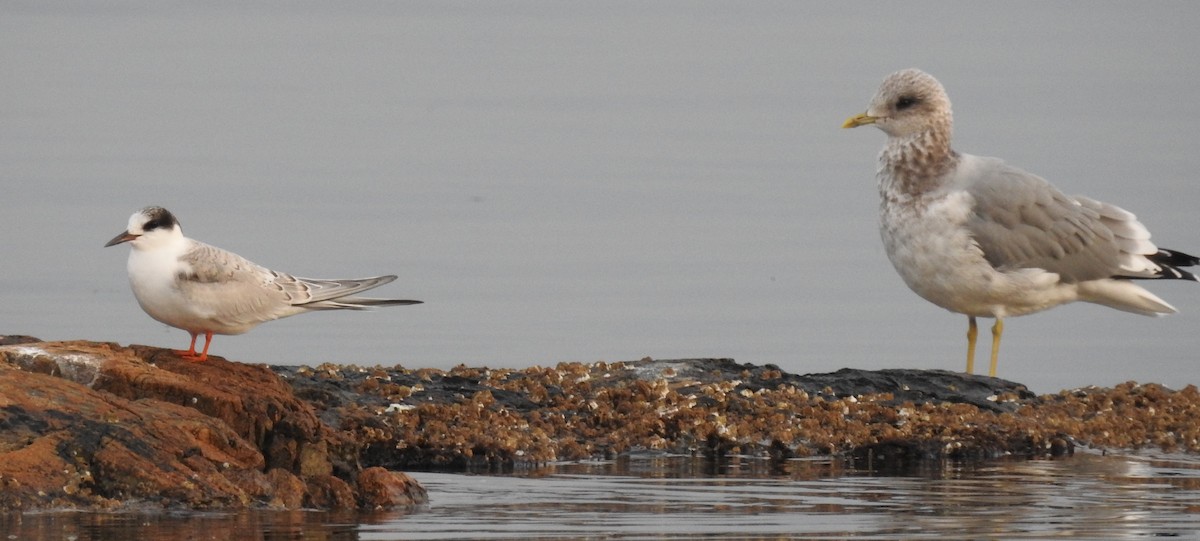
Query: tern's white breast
(153,275)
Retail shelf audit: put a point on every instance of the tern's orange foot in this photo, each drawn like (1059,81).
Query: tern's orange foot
(190,356)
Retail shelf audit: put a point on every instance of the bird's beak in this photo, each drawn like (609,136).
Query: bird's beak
(125,236)
(861,119)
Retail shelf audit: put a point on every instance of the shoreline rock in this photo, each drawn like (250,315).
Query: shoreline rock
(483,419)
(97,425)
(90,425)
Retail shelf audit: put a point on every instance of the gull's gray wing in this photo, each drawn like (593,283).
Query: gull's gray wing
(1021,221)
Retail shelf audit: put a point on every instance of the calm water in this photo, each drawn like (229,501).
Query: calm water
(565,182)
(1083,497)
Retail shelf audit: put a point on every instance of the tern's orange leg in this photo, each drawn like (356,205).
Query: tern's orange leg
(204,354)
(191,350)
(190,354)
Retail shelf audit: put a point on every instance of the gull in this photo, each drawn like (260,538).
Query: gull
(979,237)
(202,289)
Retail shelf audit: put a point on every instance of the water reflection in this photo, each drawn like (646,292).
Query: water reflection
(187,526)
(658,497)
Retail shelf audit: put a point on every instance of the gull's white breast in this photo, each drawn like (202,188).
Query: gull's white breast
(930,245)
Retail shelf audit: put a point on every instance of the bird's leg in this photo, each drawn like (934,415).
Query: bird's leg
(972,334)
(204,354)
(997,330)
(191,350)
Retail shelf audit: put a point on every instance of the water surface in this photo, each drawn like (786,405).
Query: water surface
(1087,496)
(576,182)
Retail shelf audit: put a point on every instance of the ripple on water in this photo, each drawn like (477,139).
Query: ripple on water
(1084,496)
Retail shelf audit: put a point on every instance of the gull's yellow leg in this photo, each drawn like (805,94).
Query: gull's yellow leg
(997,330)
(972,334)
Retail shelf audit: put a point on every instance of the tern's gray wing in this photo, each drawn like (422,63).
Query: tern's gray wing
(338,294)
(239,292)
(231,289)
(1021,221)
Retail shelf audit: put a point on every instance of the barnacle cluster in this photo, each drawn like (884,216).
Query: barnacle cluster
(1128,416)
(496,418)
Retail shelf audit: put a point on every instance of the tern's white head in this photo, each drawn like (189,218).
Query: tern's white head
(149,228)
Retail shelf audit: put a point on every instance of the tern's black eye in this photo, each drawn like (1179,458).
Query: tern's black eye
(158,218)
(906,102)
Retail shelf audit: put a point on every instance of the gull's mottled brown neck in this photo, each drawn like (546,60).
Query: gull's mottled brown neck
(917,164)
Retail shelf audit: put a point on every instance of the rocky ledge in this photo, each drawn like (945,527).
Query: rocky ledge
(97,425)
(498,419)
(87,425)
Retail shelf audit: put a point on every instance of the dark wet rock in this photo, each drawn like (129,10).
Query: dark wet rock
(907,455)
(905,385)
(13,339)
(922,386)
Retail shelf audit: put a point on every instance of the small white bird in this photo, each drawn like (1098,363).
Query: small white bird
(982,238)
(205,290)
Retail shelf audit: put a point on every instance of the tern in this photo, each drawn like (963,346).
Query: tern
(202,289)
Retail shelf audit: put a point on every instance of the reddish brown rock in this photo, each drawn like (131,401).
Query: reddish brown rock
(86,424)
(382,489)
(329,492)
(289,490)
(69,446)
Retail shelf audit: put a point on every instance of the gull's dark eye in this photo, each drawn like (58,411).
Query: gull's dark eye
(152,225)
(905,102)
